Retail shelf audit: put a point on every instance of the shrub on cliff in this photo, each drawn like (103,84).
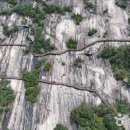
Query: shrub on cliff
(47,67)
(119,59)
(129,20)
(84,116)
(28,10)
(31,85)
(122,106)
(40,43)
(7,96)
(92,32)
(71,44)
(78,18)
(122,4)
(9,30)
(49,9)
(78,62)
(60,127)
(101,117)
(12,2)
(88,4)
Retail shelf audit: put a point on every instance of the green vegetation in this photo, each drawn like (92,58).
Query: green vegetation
(96,118)
(122,4)
(92,32)
(24,21)
(6,96)
(34,13)
(71,44)
(107,52)
(12,2)
(119,59)
(60,127)
(31,80)
(8,31)
(129,20)
(63,63)
(47,67)
(49,9)
(6,11)
(105,34)
(105,11)
(42,63)
(122,106)
(38,1)
(78,18)
(88,4)
(78,62)
(40,44)
(39,64)
(37,13)
(29,11)
(31,85)
(85,116)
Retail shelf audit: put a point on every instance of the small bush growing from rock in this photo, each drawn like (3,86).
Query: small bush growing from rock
(40,43)
(6,11)
(78,18)
(31,85)
(63,63)
(122,4)
(12,2)
(129,20)
(47,67)
(105,34)
(71,44)
(78,62)
(92,32)
(60,127)
(49,9)
(88,4)
(8,31)
(7,96)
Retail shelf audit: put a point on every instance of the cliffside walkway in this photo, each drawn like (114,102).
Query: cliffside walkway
(53,53)
(103,96)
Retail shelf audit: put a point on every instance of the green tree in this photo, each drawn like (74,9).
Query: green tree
(94,118)
(122,106)
(31,85)
(110,122)
(82,115)
(60,127)
(119,58)
(40,43)
(7,96)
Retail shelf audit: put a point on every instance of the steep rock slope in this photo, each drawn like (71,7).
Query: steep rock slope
(56,102)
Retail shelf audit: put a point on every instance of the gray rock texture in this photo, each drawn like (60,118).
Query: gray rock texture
(56,102)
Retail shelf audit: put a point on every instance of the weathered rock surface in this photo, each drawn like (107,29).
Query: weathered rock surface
(56,102)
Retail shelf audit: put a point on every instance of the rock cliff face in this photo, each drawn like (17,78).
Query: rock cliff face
(55,102)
